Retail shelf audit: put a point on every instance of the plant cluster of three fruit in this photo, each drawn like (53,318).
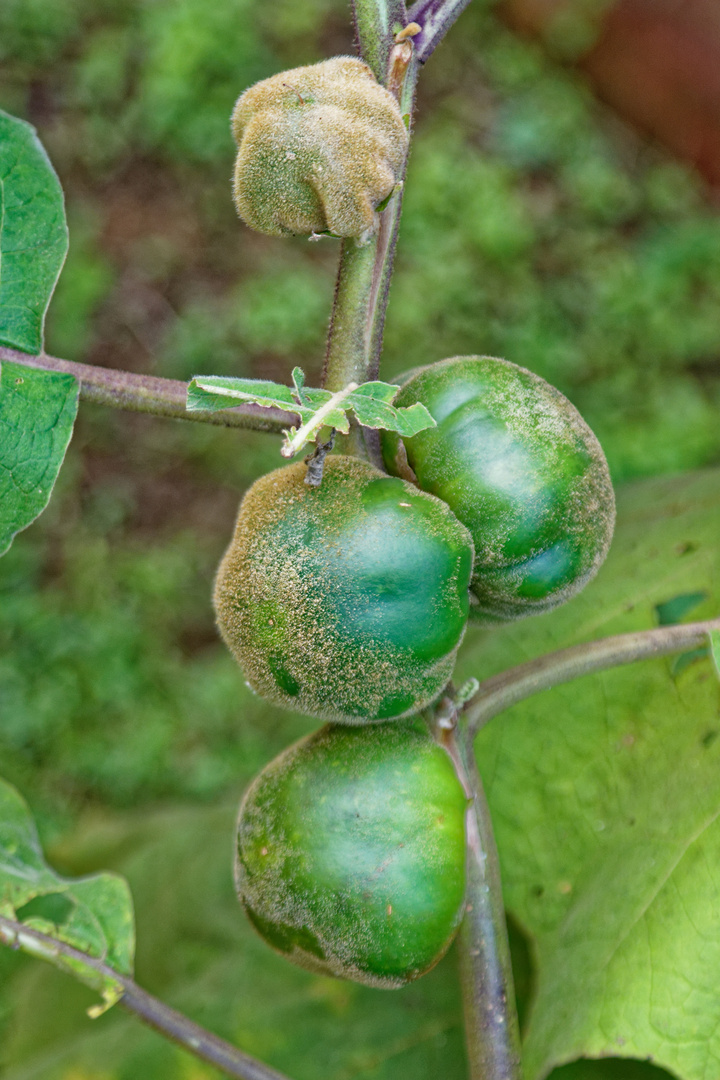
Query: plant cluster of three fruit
(348,601)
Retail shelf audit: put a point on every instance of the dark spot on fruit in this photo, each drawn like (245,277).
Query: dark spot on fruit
(394,704)
(282,676)
(285,938)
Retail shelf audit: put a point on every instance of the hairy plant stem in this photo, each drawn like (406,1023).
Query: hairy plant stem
(499,692)
(151,394)
(492,1031)
(168,1022)
(347,356)
(376,23)
(363,282)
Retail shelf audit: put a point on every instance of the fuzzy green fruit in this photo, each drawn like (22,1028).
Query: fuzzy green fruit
(347,601)
(351,853)
(518,465)
(319,148)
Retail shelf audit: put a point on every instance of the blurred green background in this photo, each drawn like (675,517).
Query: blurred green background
(536,227)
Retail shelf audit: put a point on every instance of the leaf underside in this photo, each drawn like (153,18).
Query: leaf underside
(33,235)
(37,413)
(92,914)
(605,795)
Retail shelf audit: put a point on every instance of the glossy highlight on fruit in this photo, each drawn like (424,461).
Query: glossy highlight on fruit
(347,601)
(351,853)
(319,149)
(518,465)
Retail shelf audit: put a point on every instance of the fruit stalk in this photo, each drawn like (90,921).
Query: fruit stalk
(492,1033)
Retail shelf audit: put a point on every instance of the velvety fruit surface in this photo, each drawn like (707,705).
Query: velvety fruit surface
(319,148)
(517,464)
(347,601)
(351,853)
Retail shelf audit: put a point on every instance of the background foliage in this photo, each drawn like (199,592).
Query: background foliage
(536,227)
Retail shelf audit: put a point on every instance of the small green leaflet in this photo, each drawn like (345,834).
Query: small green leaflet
(92,914)
(37,413)
(714,636)
(371,402)
(33,235)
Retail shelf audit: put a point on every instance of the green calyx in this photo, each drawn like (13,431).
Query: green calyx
(320,148)
(347,601)
(518,465)
(351,853)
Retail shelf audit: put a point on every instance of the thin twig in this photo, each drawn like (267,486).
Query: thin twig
(200,1042)
(509,687)
(153,1012)
(151,394)
(435,17)
(492,1031)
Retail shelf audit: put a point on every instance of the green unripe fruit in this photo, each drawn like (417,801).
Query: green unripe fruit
(347,601)
(518,465)
(319,148)
(351,853)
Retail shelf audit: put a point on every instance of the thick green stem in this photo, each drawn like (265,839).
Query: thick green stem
(498,693)
(492,1032)
(150,394)
(361,293)
(348,350)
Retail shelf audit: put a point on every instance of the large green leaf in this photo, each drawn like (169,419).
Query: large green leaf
(37,413)
(94,914)
(606,799)
(33,234)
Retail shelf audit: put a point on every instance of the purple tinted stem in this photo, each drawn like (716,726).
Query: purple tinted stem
(435,17)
